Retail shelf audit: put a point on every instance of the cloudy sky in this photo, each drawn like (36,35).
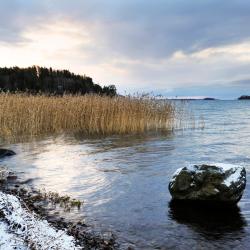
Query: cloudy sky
(169,47)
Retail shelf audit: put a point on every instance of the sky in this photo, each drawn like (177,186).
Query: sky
(166,47)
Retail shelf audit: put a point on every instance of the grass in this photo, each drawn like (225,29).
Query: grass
(27,115)
(53,197)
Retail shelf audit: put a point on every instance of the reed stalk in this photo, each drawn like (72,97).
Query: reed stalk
(29,115)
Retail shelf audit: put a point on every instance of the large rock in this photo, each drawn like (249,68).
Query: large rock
(6,152)
(214,182)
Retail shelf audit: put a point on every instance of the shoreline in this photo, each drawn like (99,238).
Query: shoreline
(43,209)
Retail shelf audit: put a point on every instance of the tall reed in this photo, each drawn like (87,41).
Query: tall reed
(27,115)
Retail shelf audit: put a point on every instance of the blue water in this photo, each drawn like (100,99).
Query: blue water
(124,180)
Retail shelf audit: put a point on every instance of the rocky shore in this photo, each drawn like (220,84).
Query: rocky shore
(31,218)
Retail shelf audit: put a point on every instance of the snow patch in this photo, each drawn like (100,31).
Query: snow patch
(27,227)
(9,241)
(225,166)
(177,171)
(235,172)
(234,177)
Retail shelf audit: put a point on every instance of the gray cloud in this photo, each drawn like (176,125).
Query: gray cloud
(137,28)
(18,15)
(241,82)
(138,38)
(155,29)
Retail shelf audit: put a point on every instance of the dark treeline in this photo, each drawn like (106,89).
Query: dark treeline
(46,80)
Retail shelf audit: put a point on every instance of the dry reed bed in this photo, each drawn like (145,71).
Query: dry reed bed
(27,115)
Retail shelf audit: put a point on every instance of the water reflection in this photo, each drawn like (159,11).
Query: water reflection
(209,220)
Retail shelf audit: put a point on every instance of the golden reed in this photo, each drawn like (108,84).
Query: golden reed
(27,115)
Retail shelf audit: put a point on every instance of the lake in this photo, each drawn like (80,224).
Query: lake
(123,180)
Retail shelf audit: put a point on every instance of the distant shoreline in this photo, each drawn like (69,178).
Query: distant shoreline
(194,99)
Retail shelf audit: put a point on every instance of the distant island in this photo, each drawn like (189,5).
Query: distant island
(37,79)
(244,97)
(209,99)
(193,98)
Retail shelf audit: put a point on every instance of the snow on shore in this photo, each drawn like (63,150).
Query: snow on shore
(10,241)
(24,230)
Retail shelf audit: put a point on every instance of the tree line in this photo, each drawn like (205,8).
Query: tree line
(49,81)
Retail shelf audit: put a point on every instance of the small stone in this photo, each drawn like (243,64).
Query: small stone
(6,152)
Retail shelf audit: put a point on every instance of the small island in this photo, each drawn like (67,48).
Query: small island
(209,99)
(244,97)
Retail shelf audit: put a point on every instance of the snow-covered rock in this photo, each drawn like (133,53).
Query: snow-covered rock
(212,182)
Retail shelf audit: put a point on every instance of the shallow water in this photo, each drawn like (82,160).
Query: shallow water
(124,180)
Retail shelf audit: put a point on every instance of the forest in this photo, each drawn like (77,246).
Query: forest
(44,80)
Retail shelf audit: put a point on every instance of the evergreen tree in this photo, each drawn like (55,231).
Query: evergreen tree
(46,80)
